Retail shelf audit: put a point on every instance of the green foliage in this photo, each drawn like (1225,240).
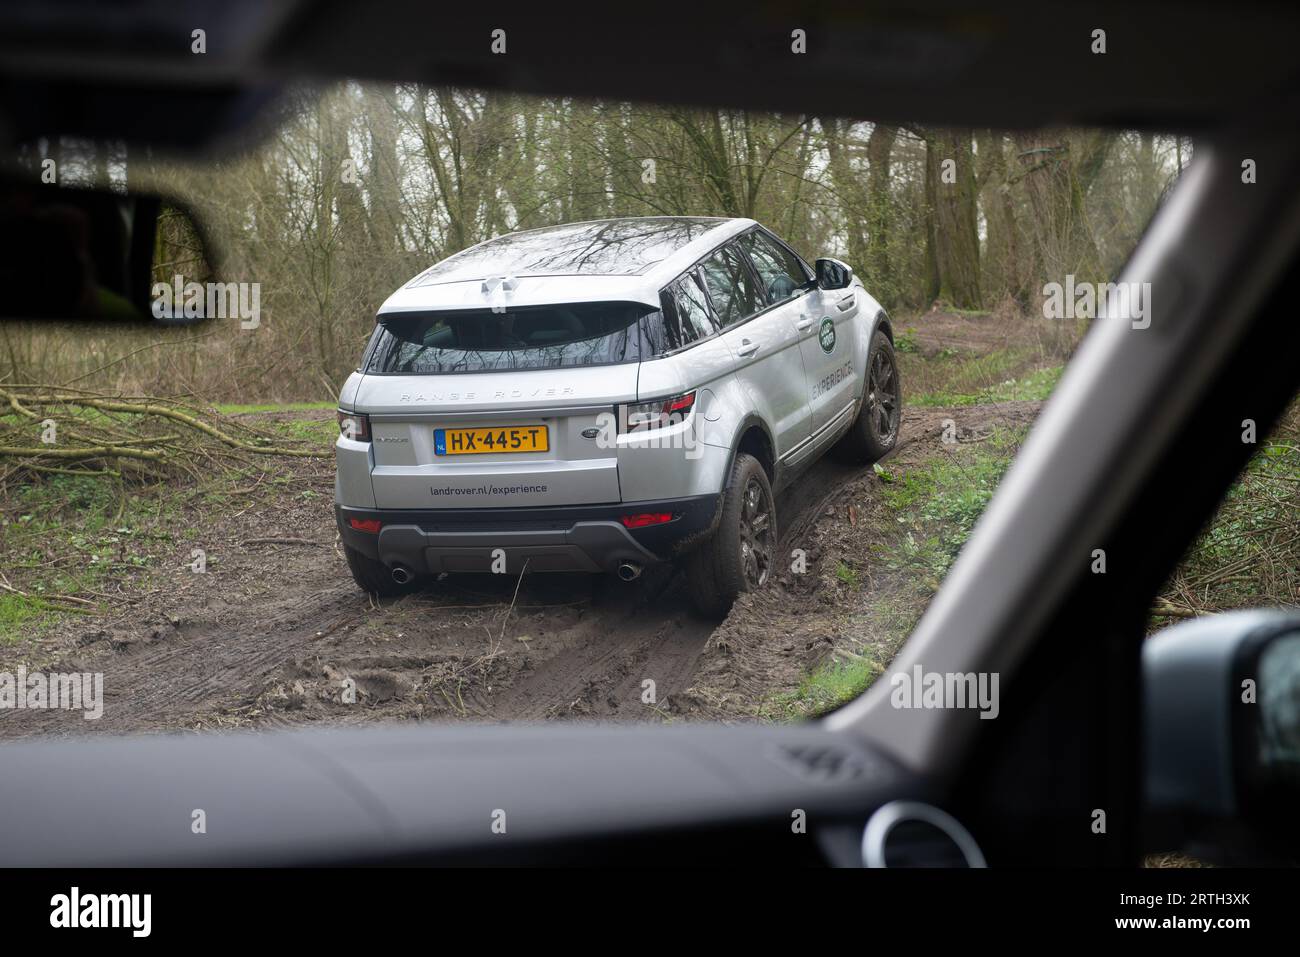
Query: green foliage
(847,574)
(936,505)
(940,502)
(1035,386)
(317,431)
(840,679)
(905,342)
(953,373)
(828,687)
(1249,553)
(20,616)
(234,408)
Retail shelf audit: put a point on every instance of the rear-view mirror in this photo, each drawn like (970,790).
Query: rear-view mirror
(100,255)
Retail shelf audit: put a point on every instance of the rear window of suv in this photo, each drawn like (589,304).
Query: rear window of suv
(530,337)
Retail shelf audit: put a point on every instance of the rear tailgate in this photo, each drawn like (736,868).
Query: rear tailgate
(527,447)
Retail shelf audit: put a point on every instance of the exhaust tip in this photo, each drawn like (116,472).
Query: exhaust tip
(402,575)
(629,571)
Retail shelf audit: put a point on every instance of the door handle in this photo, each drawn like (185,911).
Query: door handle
(747,347)
(804,324)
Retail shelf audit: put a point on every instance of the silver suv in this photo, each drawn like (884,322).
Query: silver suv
(602,396)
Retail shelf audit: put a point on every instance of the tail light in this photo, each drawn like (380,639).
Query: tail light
(644,416)
(354,425)
(642,519)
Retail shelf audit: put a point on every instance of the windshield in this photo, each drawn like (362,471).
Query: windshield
(480,340)
(192,541)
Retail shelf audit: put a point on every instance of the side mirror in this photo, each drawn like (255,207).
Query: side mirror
(97,255)
(833,274)
(1222,737)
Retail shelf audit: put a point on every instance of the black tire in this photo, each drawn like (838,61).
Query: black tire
(374,577)
(874,433)
(739,556)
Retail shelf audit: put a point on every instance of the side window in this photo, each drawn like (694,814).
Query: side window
(687,315)
(731,285)
(782,274)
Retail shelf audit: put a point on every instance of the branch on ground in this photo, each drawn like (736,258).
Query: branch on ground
(105,435)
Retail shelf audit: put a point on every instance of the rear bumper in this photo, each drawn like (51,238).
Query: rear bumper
(555,538)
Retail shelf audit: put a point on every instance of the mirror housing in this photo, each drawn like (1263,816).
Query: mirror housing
(1222,737)
(833,274)
(93,254)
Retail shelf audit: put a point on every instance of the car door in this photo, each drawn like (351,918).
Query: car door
(765,342)
(826,323)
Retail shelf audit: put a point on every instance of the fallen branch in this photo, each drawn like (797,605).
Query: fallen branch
(280,541)
(82,452)
(166,412)
(99,434)
(1169,610)
(45,599)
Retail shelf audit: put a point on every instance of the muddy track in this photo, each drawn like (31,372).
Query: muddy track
(273,635)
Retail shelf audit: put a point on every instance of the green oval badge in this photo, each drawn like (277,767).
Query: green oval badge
(826,335)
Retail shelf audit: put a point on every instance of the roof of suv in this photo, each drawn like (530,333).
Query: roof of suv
(626,259)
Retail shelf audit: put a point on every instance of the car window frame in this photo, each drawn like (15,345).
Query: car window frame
(734,242)
(799,289)
(768,306)
(809,273)
(692,275)
(693,270)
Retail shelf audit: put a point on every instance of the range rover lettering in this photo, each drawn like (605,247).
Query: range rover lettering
(603,396)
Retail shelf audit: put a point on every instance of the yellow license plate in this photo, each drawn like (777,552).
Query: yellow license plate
(525,438)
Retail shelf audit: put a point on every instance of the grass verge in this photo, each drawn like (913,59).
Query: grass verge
(1249,553)
(931,508)
(1034,386)
(70,543)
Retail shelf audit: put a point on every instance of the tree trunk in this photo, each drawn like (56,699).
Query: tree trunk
(384,182)
(1002,271)
(849,190)
(1058,222)
(955,215)
(880,210)
(931,281)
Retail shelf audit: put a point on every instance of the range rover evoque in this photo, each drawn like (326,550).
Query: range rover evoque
(605,395)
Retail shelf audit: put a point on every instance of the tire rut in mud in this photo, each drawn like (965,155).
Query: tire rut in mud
(281,637)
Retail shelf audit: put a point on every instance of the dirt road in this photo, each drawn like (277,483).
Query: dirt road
(274,632)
